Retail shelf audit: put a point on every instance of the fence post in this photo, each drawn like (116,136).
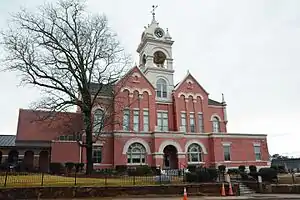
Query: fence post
(5,181)
(42,183)
(134,179)
(105,179)
(75,177)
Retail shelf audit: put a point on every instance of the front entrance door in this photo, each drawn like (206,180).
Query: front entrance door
(170,157)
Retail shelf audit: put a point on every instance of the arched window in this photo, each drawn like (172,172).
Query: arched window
(98,121)
(216,125)
(194,153)
(161,88)
(136,154)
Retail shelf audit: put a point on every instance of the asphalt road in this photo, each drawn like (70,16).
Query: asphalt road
(255,197)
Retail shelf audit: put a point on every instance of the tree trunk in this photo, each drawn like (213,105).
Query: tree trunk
(88,141)
(89,156)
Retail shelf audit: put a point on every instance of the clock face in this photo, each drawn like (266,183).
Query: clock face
(159,33)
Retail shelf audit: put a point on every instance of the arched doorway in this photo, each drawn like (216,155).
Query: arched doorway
(13,157)
(170,157)
(44,161)
(28,160)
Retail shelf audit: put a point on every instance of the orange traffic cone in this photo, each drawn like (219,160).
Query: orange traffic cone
(223,190)
(184,194)
(230,193)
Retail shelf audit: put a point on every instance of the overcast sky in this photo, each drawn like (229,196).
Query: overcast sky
(246,49)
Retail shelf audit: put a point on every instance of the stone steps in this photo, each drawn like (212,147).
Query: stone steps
(245,190)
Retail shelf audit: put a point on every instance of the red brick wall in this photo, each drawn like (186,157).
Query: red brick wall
(242,151)
(214,110)
(107,152)
(65,151)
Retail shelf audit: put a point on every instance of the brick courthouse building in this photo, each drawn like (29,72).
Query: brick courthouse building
(164,123)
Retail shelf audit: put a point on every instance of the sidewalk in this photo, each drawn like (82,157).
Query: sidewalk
(253,197)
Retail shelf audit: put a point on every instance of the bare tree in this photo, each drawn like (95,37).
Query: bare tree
(66,52)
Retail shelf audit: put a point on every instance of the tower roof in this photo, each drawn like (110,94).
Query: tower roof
(154,31)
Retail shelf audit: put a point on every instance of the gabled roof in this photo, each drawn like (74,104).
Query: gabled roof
(7,140)
(185,78)
(37,125)
(131,70)
(106,89)
(210,101)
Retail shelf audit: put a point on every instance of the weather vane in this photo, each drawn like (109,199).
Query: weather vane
(153,10)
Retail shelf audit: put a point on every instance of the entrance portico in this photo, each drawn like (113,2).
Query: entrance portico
(169,155)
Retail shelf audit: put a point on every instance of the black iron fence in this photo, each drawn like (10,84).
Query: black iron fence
(24,179)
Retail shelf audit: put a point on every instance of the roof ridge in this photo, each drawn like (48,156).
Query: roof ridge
(46,111)
(6,135)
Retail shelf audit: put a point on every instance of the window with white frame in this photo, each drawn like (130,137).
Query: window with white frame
(194,153)
(161,88)
(192,122)
(200,122)
(98,121)
(226,149)
(183,121)
(136,120)
(257,152)
(216,125)
(126,119)
(97,154)
(136,154)
(162,121)
(146,120)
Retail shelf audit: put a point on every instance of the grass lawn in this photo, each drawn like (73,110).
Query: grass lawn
(51,180)
(288,179)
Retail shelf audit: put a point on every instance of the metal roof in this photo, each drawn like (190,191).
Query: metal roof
(7,140)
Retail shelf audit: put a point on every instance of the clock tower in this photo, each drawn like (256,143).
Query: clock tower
(155,54)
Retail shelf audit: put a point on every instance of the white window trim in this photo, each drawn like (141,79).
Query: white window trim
(257,145)
(195,163)
(165,111)
(227,144)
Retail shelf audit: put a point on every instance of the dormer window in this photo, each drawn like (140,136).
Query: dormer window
(161,88)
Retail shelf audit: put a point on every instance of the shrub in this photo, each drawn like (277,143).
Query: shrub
(202,175)
(244,176)
(56,168)
(213,173)
(156,170)
(252,169)
(69,166)
(254,175)
(107,171)
(233,171)
(281,169)
(79,167)
(242,168)
(268,174)
(121,169)
(191,168)
(191,177)
(274,167)
(222,168)
(141,170)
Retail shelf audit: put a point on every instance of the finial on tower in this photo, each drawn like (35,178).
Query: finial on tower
(223,99)
(153,12)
